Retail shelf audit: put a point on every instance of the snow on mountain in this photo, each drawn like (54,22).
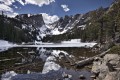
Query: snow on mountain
(82,26)
(57,32)
(24,26)
(65,24)
(37,25)
(42,31)
(40,25)
(29,15)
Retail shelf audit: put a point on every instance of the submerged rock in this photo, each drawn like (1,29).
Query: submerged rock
(64,75)
(82,77)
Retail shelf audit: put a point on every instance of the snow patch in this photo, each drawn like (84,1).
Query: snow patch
(42,35)
(72,41)
(38,37)
(82,27)
(23,26)
(8,75)
(29,15)
(56,53)
(57,32)
(42,32)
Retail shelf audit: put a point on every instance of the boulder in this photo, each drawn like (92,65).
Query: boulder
(96,65)
(105,68)
(111,76)
(112,58)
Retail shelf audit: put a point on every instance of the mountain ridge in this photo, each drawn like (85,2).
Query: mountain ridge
(91,26)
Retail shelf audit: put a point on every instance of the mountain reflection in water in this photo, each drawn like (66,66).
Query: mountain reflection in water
(43,63)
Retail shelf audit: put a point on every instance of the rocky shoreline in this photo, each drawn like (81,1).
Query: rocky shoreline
(107,67)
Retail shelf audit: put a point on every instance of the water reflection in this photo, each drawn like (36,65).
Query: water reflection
(42,63)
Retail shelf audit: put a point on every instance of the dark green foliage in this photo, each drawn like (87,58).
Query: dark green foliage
(90,33)
(114,50)
(102,26)
(10,30)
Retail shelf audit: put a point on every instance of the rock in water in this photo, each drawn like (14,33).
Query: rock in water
(82,77)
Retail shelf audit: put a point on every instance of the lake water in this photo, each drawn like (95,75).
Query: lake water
(44,63)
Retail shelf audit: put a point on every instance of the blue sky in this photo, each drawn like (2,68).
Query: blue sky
(52,7)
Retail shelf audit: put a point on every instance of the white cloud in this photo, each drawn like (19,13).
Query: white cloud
(7,2)
(6,8)
(36,2)
(49,19)
(65,8)
(5,5)
(39,2)
(10,14)
(21,2)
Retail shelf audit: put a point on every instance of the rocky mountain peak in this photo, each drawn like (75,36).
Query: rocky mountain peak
(35,20)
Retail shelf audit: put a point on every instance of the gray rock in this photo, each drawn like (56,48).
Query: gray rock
(96,65)
(111,76)
(105,67)
(112,58)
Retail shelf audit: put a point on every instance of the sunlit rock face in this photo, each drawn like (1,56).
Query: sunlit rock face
(35,20)
(34,24)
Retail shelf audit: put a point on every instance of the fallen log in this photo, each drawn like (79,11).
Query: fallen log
(70,60)
(9,59)
(89,60)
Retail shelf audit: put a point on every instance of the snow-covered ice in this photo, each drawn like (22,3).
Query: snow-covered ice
(5,45)
(87,45)
(72,41)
